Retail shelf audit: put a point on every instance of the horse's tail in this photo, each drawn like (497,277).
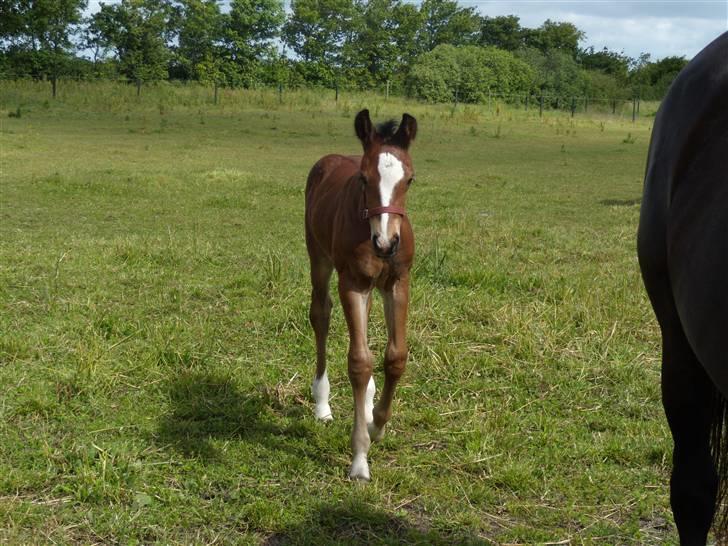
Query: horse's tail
(719,450)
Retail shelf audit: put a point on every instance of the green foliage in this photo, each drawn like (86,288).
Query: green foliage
(200,32)
(137,31)
(602,85)
(555,36)
(467,74)
(608,62)
(446,22)
(650,80)
(38,35)
(315,31)
(556,72)
(372,52)
(354,44)
(503,32)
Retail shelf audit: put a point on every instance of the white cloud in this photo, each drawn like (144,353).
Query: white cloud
(661,28)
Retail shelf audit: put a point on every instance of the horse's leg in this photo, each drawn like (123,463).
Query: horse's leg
(355,303)
(395,357)
(371,387)
(319,315)
(688,398)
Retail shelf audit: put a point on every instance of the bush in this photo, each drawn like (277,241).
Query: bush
(467,74)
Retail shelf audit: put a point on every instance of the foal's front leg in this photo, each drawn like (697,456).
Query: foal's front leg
(395,357)
(355,303)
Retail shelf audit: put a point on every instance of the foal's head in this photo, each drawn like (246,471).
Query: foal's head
(386,174)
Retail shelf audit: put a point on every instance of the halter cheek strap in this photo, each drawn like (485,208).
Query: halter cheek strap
(376,211)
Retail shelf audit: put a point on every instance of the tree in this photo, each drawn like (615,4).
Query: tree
(138,32)
(13,15)
(503,32)
(468,74)
(200,33)
(557,73)
(445,22)
(316,31)
(377,47)
(42,29)
(552,35)
(249,30)
(650,80)
(608,62)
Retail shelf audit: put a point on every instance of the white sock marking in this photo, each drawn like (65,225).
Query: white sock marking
(369,403)
(320,391)
(359,467)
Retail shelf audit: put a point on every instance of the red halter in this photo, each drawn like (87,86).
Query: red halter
(376,211)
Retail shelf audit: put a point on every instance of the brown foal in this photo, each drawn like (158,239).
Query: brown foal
(356,223)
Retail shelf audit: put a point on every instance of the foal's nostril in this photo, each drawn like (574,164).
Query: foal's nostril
(375,241)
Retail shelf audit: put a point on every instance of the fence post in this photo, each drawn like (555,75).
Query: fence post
(386,96)
(280,93)
(540,106)
(634,108)
(573,106)
(336,88)
(638,105)
(215,91)
(614,106)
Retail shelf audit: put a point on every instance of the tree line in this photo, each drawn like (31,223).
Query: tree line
(438,50)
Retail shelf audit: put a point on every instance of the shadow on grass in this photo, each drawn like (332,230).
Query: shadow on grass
(358,523)
(620,202)
(207,406)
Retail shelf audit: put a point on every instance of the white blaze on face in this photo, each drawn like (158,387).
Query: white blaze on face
(391,172)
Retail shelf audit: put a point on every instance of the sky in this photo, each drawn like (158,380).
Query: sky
(659,27)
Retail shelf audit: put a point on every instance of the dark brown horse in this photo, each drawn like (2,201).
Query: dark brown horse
(356,222)
(683,253)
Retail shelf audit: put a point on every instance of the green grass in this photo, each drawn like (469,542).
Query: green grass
(156,357)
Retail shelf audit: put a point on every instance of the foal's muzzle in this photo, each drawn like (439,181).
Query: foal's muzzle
(385,250)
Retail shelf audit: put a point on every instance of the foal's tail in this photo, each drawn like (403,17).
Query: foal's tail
(719,450)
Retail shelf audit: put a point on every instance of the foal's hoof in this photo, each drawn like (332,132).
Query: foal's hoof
(375,433)
(359,469)
(323,412)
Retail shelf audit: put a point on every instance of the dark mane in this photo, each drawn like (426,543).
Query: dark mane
(387,130)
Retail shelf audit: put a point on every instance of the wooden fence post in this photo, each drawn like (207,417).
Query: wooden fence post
(634,108)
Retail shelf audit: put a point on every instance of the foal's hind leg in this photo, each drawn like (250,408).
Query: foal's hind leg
(395,356)
(688,398)
(319,315)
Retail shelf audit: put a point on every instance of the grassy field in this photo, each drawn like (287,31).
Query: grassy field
(156,356)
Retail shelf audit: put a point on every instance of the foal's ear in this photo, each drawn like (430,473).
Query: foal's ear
(364,128)
(406,132)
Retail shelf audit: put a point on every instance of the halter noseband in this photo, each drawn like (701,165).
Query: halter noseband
(376,211)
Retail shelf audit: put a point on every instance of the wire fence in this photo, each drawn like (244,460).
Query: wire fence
(572,104)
